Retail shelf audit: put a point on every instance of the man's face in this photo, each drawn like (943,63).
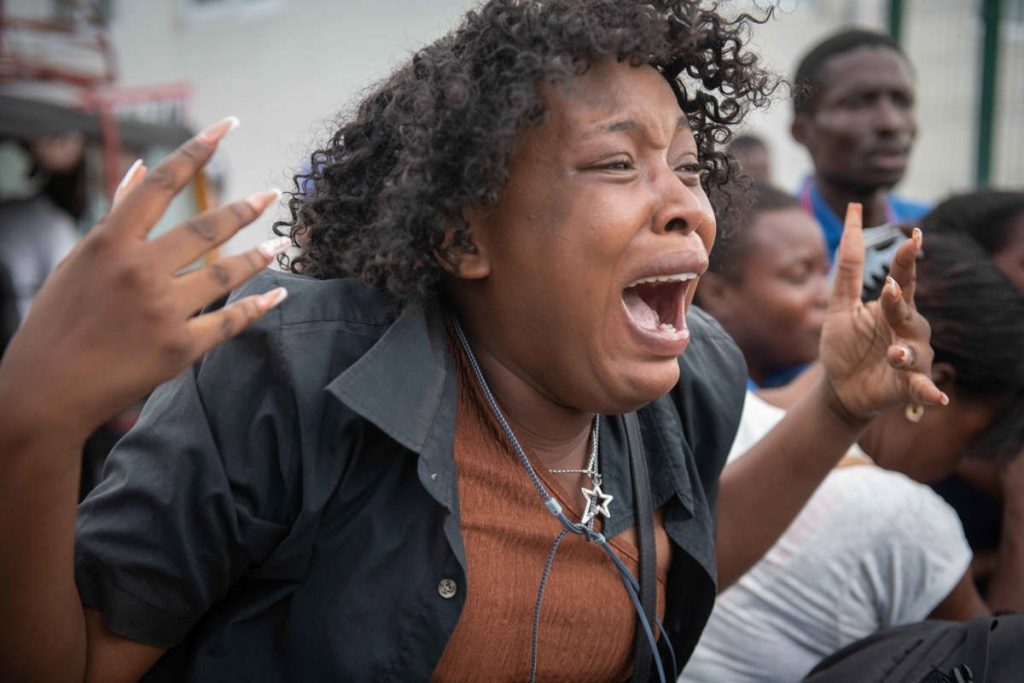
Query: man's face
(604,194)
(863,123)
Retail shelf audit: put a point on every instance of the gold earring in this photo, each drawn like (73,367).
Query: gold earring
(914,412)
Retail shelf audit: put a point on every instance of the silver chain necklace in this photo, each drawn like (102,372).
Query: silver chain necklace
(597,503)
(597,500)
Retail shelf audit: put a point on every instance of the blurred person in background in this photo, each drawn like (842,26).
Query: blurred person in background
(60,162)
(768,286)
(752,154)
(993,219)
(875,546)
(854,111)
(39,231)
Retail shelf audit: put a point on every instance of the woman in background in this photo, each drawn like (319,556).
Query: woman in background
(994,219)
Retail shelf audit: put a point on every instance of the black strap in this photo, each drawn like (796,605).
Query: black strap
(976,646)
(648,552)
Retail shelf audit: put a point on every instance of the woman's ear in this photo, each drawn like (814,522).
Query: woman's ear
(944,376)
(462,254)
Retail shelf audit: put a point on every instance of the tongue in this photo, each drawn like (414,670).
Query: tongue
(644,315)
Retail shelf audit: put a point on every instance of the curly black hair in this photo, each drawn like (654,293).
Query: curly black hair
(437,136)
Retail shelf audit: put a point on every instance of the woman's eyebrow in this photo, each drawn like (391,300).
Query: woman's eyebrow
(630,125)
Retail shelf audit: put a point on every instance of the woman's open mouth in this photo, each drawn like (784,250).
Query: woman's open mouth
(656,309)
(658,302)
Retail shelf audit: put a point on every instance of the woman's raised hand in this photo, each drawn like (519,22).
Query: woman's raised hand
(876,355)
(116,318)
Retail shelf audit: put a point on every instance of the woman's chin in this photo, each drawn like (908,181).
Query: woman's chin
(639,389)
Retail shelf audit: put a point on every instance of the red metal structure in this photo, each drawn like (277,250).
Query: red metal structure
(75,51)
(87,32)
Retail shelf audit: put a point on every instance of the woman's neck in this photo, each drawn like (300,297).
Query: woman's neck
(555,435)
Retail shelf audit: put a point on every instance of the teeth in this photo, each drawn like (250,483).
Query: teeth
(654,279)
(668,327)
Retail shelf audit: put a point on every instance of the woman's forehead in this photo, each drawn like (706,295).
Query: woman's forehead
(614,97)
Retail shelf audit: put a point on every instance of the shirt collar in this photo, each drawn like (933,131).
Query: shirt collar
(400,383)
(405,385)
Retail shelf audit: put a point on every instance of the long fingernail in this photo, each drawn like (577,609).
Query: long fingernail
(894,286)
(273,247)
(944,399)
(262,200)
(216,131)
(273,298)
(129,174)
(917,236)
(854,210)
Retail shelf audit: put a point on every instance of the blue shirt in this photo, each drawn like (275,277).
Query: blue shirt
(899,210)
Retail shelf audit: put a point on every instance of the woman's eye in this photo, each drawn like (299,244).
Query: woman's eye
(615,165)
(689,172)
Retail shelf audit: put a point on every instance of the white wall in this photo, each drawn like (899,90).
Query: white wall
(285,70)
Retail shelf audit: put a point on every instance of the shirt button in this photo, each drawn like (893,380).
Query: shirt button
(446,589)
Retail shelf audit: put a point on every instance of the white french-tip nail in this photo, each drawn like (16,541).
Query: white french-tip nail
(273,247)
(262,200)
(274,297)
(129,174)
(218,130)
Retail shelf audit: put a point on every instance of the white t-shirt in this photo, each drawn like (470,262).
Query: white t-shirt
(871,549)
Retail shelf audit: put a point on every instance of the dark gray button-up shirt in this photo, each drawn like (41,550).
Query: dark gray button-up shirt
(288,509)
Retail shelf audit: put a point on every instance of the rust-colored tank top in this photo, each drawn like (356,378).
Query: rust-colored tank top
(587,621)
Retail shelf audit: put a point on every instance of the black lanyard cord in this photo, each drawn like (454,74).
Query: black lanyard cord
(646,613)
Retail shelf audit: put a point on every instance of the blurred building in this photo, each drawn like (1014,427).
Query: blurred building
(287,68)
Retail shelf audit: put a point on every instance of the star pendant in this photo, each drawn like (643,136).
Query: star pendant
(597,503)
